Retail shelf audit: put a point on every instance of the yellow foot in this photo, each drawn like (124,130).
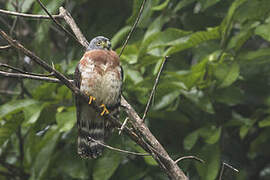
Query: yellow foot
(105,110)
(91,99)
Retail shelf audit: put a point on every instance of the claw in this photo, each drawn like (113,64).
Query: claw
(91,99)
(105,110)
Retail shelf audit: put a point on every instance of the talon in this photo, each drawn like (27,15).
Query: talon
(105,110)
(91,99)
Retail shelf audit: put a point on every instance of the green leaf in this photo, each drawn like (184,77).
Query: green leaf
(199,98)
(211,155)
(263,31)
(192,40)
(32,113)
(183,4)
(227,74)
(45,151)
(151,34)
(190,140)
(66,120)
(9,127)
(265,122)
(214,137)
(230,96)
(210,134)
(15,106)
(166,100)
(161,6)
(244,131)
(167,36)
(120,36)
(150,161)
(106,165)
(254,55)
(208,3)
(226,24)
(146,15)
(26,5)
(135,76)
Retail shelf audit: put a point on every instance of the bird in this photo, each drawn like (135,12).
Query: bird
(99,75)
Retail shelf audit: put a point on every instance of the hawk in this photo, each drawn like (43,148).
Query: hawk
(99,75)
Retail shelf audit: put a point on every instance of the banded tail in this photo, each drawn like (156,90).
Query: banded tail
(90,126)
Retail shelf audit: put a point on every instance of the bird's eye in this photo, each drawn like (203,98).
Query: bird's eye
(99,43)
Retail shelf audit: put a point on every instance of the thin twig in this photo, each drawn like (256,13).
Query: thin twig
(27,76)
(189,157)
(154,88)
(41,62)
(123,126)
(56,22)
(24,72)
(133,27)
(223,167)
(5,47)
(118,150)
(32,16)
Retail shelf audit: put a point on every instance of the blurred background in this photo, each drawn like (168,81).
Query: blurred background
(212,101)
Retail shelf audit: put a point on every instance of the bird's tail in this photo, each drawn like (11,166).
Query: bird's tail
(91,131)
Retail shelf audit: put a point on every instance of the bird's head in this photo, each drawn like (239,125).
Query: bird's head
(99,42)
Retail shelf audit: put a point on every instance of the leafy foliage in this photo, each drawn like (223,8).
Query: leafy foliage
(212,101)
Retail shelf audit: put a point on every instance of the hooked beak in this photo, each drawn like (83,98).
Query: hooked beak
(106,45)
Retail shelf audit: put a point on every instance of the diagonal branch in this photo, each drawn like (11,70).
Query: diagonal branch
(70,21)
(154,88)
(40,62)
(56,22)
(133,27)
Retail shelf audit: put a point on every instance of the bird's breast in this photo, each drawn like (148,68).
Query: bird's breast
(101,81)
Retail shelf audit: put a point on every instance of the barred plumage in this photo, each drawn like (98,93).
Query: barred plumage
(98,74)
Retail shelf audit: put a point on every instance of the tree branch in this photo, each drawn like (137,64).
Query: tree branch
(32,16)
(189,157)
(72,24)
(154,88)
(27,76)
(56,22)
(133,27)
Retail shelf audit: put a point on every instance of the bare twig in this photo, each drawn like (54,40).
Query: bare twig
(223,167)
(154,88)
(70,21)
(133,27)
(40,62)
(123,126)
(32,16)
(119,150)
(26,76)
(24,72)
(5,47)
(189,157)
(57,23)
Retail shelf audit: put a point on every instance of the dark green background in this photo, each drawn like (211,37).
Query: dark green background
(213,99)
